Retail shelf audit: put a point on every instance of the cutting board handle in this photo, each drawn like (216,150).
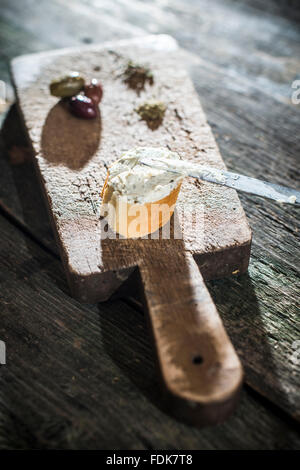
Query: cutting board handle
(200,370)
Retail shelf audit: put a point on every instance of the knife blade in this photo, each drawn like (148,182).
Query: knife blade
(247,184)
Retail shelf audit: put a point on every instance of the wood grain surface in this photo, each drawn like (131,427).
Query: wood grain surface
(243,75)
(71,157)
(83,377)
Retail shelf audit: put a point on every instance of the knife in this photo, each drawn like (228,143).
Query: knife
(247,184)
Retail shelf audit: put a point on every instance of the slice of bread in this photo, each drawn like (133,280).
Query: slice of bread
(134,219)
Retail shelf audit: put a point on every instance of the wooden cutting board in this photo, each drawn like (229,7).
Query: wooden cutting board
(199,368)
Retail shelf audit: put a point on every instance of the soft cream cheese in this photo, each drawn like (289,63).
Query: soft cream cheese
(186,168)
(139,183)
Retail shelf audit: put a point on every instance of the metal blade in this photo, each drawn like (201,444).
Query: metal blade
(226,178)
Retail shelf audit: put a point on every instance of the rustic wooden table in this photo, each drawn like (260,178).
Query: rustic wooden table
(82,376)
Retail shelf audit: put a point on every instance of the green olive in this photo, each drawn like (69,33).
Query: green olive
(69,85)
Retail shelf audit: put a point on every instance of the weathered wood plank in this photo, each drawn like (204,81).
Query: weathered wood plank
(20,193)
(225,232)
(83,376)
(281,265)
(259,141)
(245,87)
(70,157)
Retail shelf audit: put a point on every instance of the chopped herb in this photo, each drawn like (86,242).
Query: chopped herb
(152,112)
(136,76)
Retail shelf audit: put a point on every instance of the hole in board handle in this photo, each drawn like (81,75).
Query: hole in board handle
(197,359)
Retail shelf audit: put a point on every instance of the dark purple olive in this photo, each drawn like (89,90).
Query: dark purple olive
(83,107)
(94,91)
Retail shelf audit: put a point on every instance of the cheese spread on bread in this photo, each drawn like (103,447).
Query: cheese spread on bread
(130,179)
